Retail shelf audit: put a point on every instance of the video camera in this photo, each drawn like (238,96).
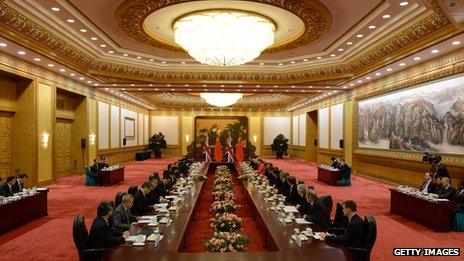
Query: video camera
(431,158)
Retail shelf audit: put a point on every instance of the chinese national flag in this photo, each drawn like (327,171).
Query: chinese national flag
(239,150)
(217,151)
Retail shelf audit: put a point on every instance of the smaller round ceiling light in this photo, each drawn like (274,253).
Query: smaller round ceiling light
(221,99)
(224,37)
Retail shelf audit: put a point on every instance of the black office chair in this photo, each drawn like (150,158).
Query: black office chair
(80,237)
(363,253)
(133,189)
(327,203)
(118,198)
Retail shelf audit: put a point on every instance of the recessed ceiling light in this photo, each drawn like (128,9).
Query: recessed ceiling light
(280,64)
(37,59)
(368,78)
(125,54)
(21,52)
(402,64)
(72,74)
(287,90)
(168,85)
(151,60)
(344,87)
(310,87)
(335,91)
(386,16)
(340,49)
(255,90)
(182,62)
(205,90)
(275,86)
(89,81)
(456,43)
(435,51)
(389,69)
(305,60)
(189,89)
(240,85)
(173,89)
(83,30)
(102,45)
(319,57)
(332,55)
(70,21)
(371,27)
(359,81)
(106,89)
(222,90)
(303,90)
(292,62)
(417,58)
(93,38)
(271,90)
(328,87)
(62,70)
(50,65)
(349,43)
(139,89)
(404,3)
(81,78)
(3,45)
(163,62)
(139,57)
(186,85)
(156,89)
(293,86)
(359,35)
(261,63)
(55,9)
(378,74)
(96,84)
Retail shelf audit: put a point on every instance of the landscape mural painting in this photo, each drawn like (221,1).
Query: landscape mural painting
(427,118)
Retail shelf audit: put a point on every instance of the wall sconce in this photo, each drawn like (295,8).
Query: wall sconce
(92,138)
(45,137)
(255,138)
(187,138)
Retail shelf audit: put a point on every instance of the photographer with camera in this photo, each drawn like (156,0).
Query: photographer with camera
(438,168)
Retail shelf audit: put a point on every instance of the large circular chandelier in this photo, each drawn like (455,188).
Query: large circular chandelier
(221,99)
(224,37)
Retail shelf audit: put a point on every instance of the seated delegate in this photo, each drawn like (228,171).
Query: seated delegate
(7,188)
(101,235)
(427,185)
(141,205)
(354,234)
(316,211)
(122,216)
(19,184)
(446,191)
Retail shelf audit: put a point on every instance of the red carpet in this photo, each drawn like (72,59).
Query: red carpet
(199,230)
(373,198)
(50,238)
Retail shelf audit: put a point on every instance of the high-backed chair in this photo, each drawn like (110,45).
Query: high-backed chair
(346,180)
(133,189)
(458,221)
(118,199)
(363,253)
(340,220)
(327,202)
(89,179)
(80,237)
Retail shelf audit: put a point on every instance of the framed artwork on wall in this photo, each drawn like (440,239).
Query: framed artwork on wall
(129,127)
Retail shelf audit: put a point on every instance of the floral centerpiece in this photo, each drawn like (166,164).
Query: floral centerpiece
(224,206)
(222,187)
(223,195)
(226,222)
(227,242)
(222,180)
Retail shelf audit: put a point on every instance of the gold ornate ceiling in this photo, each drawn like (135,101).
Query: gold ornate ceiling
(342,40)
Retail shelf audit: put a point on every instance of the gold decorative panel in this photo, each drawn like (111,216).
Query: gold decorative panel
(5,146)
(63,158)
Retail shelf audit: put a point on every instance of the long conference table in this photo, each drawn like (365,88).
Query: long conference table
(277,237)
(435,215)
(21,211)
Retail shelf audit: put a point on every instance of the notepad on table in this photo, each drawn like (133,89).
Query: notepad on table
(302,221)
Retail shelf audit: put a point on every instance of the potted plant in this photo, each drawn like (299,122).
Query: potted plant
(280,146)
(156,143)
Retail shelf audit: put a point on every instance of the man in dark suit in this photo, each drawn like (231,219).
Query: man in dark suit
(446,190)
(7,189)
(19,184)
(354,235)
(316,212)
(302,204)
(101,235)
(155,196)
(141,205)
(122,216)
(2,183)
(427,186)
